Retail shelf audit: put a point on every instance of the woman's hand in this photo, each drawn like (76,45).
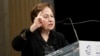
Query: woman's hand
(36,23)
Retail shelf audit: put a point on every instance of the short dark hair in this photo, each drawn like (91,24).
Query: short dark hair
(39,7)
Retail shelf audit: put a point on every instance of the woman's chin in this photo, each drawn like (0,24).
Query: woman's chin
(51,28)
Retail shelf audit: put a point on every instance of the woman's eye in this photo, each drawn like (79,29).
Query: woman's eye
(45,16)
(52,16)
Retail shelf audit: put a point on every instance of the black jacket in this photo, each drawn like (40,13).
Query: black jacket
(34,45)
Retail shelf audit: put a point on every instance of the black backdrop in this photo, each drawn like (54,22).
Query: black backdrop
(78,11)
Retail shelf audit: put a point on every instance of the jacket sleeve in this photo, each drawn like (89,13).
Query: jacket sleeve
(63,40)
(18,42)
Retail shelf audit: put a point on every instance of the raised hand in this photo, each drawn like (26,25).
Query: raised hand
(36,23)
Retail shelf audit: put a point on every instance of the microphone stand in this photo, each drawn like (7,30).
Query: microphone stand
(74,29)
(75,35)
(75,48)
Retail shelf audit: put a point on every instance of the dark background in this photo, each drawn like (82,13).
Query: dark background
(78,11)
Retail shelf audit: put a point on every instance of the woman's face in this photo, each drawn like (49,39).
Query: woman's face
(48,21)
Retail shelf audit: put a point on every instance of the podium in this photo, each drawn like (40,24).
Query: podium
(79,48)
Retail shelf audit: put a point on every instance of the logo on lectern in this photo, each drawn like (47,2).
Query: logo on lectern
(88,50)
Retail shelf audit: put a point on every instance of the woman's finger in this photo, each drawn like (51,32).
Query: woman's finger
(39,14)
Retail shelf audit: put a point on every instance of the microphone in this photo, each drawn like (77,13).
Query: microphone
(73,29)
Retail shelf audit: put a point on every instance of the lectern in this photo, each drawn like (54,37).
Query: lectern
(79,48)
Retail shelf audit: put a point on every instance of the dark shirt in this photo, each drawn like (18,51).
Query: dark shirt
(34,45)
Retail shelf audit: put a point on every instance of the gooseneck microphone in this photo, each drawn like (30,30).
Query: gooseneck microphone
(73,28)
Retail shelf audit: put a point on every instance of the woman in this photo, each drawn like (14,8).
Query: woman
(40,38)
